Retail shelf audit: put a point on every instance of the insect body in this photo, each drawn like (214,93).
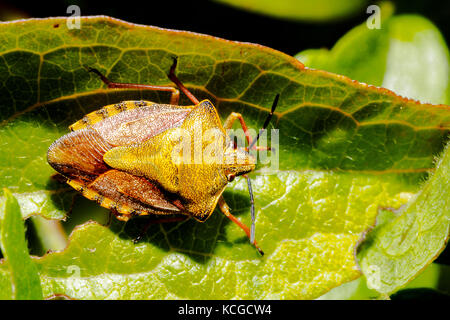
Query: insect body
(145,158)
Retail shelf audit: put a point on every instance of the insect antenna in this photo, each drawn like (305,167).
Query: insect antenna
(266,123)
(252,209)
(249,183)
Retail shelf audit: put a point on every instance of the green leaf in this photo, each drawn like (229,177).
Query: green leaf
(353,290)
(318,10)
(414,61)
(24,281)
(407,55)
(400,249)
(345,149)
(436,276)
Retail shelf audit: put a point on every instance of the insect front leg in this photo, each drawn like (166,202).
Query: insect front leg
(228,124)
(226,211)
(174,98)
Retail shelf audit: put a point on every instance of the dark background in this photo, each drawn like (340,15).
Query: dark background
(216,19)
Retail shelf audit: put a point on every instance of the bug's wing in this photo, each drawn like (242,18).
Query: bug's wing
(79,154)
(127,194)
(131,122)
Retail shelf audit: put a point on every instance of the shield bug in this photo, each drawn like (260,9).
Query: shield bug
(131,157)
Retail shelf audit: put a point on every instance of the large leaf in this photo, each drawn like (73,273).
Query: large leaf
(345,150)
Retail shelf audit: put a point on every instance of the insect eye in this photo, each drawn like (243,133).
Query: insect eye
(231,177)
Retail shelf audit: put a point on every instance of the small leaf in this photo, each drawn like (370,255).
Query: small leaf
(353,290)
(407,55)
(25,283)
(399,250)
(318,10)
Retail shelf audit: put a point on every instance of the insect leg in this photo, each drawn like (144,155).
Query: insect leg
(110,215)
(226,211)
(228,124)
(157,221)
(177,81)
(72,204)
(120,85)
